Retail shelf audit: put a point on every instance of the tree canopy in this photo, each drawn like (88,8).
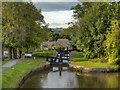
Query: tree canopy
(90,31)
(20,27)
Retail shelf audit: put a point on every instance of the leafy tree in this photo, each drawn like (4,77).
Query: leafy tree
(20,29)
(112,43)
(93,19)
(53,36)
(70,34)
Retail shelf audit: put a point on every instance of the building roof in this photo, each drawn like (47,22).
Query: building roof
(48,43)
(63,40)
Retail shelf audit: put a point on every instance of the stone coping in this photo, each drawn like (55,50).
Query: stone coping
(87,69)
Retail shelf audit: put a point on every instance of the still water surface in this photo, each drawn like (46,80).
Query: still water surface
(62,77)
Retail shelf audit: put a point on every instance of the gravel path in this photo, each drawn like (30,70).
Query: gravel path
(9,64)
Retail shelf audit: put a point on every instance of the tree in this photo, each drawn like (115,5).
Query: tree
(70,33)
(20,29)
(112,43)
(93,19)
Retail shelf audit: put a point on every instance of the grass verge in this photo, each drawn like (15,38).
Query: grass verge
(11,76)
(44,53)
(91,64)
(78,59)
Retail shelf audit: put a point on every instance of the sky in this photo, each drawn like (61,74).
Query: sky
(56,12)
(54,0)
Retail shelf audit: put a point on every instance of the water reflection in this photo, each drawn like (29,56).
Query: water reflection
(61,77)
(98,80)
(59,69)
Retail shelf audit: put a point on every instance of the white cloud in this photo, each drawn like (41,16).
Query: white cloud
(75,0)
(54,0)
(58,18)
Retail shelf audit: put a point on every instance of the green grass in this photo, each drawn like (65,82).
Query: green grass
(78,59)
(11,76)
(44,53)
(32,58)
(91,64)
(77,54)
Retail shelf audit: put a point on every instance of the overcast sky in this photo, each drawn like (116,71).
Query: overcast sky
(56,12)
(55,0)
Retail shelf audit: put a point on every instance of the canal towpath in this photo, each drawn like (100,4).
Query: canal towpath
(13,62)
(9,64)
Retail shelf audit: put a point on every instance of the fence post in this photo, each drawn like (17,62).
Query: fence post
(47,58)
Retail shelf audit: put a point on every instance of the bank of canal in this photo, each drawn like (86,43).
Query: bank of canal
(37,74)
(63,77)
(12,76)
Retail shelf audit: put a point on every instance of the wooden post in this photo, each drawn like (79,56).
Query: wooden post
(34,58)
(47,58)
(60,70)
(20,53)
(10,52)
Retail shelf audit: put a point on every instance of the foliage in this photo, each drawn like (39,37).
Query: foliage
(78,59)
(113,68)
(52,36)
(89,31)
(77,54)
(44,53)
(57,46)
(22,30)
(112,43)
(70,32)
(19,28)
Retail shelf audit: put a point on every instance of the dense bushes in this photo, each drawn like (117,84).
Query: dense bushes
(113,43)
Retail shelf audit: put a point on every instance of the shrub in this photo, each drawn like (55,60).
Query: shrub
(94,60)
(103,59)
(112,43)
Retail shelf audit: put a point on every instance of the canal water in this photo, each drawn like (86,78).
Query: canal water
(62,77)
